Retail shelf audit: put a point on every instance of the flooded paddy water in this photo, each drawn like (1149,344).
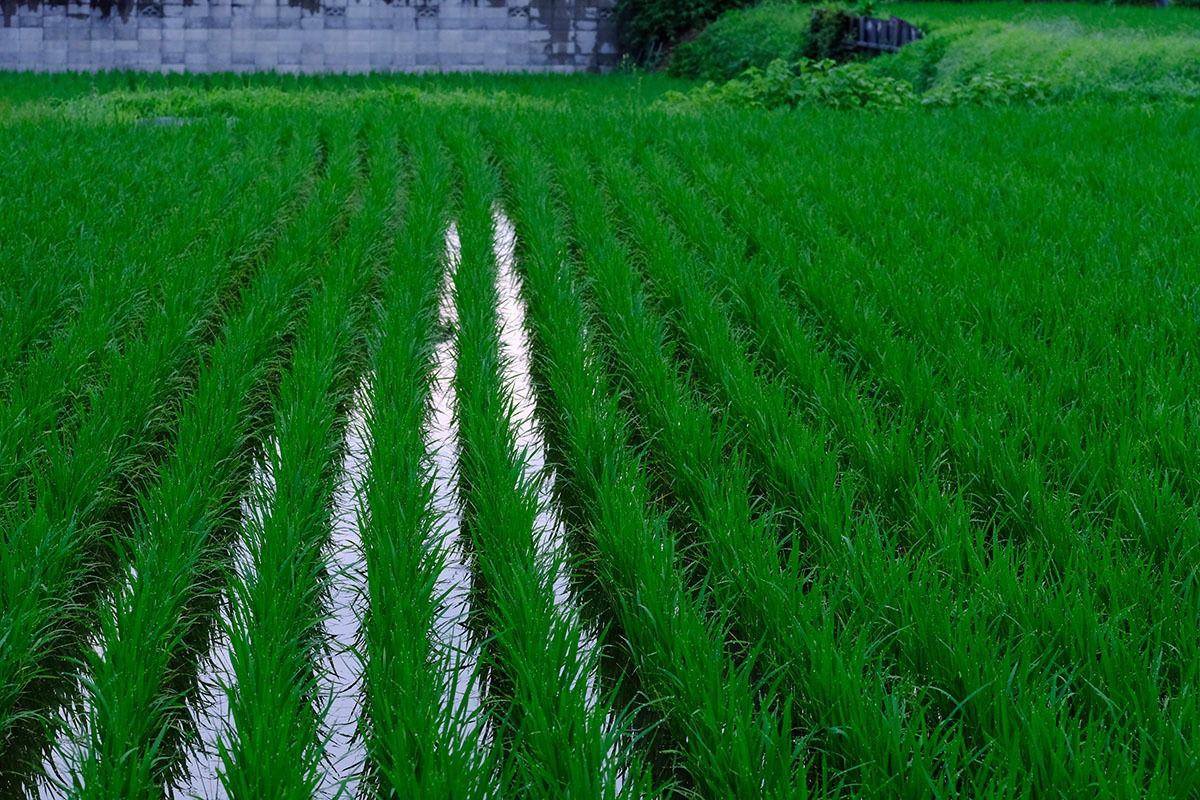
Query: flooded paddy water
(340,672)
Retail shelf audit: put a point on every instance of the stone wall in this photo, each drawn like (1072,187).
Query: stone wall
(308,36)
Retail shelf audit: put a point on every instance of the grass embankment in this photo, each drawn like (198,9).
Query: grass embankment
(1070,50)
(1085,50)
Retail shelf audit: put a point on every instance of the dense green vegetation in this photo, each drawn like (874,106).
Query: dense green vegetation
(1066,50)
(869,448)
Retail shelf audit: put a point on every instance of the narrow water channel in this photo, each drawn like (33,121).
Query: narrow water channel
(517,357)
(452,633)
(341,675)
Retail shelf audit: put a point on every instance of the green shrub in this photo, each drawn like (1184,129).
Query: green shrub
(742,39)
(832,32)
(804,83)
(649,24)
(754,37)
(994,89)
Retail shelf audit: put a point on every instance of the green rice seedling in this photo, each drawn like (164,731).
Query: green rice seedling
(138,677)
(800,480)
(550,735)
(71,513)
(274,747)
(994,375)
(46,205)
(1046,509)
(1093,427)
(1097,555)
(675,639)
(761,572)
(418,743)
(48,395)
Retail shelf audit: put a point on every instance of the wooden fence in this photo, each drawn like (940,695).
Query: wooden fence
(887,35)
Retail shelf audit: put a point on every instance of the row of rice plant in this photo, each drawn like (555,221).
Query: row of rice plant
(722,461)
(721,741)
(128,261)
(549,735)
(1139,588)
(141,674)
(55,247)
(419,741)
(67,514)
(274,745)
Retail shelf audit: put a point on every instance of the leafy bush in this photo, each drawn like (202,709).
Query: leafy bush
(804,83)
(754,37)
(993,89)
(831,27)
(647,24)
(742,39)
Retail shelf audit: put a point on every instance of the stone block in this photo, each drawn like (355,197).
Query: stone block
(125,59)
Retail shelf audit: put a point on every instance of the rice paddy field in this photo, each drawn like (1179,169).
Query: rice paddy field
(489,438)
